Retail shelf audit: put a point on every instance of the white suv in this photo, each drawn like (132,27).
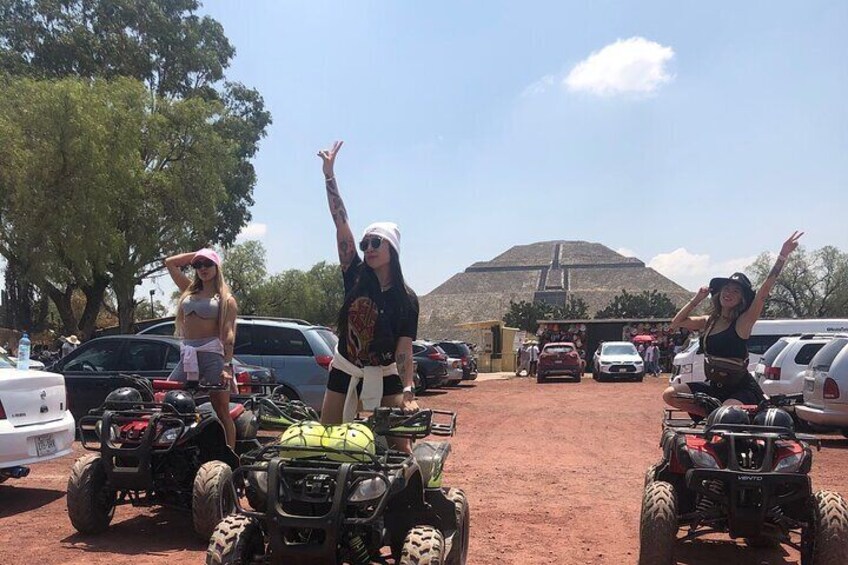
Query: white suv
(826,387)
(617,360)
(781,369)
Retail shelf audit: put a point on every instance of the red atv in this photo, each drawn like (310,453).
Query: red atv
(743,472)
(156,446)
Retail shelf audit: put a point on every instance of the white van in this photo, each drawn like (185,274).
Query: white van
(688,366)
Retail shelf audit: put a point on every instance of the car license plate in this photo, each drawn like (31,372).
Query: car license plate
(622,369)
(558,362)
(810,386)
(45,445)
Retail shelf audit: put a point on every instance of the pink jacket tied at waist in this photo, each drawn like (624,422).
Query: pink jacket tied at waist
(188,356)
(372,385)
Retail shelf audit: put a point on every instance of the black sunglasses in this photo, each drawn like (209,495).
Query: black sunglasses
(375,243)
(202,264)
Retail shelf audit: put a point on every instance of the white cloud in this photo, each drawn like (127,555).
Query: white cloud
(540,86)
(627,252)
(629,65)
(253,230)
(694,270)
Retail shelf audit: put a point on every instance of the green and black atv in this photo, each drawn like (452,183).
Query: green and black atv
(340,494)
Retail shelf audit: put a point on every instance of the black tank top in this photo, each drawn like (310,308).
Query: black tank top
(727,343)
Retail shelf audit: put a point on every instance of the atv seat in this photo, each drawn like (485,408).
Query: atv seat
(431,456)
(236,409)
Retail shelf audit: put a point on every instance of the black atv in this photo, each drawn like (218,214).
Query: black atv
(339,494)
(744,472)
(162,451)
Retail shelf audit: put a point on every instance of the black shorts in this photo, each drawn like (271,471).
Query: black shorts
(746,392)
(339,381)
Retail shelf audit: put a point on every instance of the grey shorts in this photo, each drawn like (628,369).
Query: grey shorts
(209,364)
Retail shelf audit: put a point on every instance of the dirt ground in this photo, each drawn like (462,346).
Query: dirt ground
(553,473)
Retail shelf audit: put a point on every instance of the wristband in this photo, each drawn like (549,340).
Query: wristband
(409,389)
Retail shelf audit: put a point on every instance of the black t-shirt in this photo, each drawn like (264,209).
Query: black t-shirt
(375,325)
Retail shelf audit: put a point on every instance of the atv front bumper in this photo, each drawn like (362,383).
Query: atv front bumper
(749,496)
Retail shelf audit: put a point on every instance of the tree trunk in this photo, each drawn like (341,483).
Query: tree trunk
(19,296)
(93,301)
(62,300)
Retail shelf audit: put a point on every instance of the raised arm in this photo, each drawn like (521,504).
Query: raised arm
(174,264)
(691,323)
(344,236)
(751,315)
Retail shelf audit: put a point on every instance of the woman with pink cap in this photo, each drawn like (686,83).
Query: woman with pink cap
(206,323)
(378,320)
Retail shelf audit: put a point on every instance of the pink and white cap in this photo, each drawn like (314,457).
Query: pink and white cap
(388,231)
(210,254)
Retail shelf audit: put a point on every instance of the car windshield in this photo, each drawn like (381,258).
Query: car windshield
(5,362)
(559,349)
(619,349)
(455,349)
(329,338)
(773,352)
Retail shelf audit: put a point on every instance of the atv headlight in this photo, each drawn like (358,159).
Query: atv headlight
(686,368)
(368,489)
(702,459)
(168,436)
(113,432)
(790,464)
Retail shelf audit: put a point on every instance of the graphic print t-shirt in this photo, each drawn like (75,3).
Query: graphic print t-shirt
(374,325)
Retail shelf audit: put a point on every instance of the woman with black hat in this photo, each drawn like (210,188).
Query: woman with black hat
(724,336)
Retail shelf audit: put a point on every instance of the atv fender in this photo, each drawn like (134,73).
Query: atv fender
(213,443)
(431,457)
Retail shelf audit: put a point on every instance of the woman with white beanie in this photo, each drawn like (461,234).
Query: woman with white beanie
(378,320)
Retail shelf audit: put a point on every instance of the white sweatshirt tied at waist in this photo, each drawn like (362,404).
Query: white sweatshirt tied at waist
(188,356)
(372,384)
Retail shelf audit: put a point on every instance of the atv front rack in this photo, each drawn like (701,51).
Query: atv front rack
(394,422)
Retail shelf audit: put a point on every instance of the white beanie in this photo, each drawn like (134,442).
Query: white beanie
(388,231)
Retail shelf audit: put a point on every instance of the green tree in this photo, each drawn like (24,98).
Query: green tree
(646,304)
(811,285)
(181,58)
(525,315)
(315,295)
(573,309)
(245,272)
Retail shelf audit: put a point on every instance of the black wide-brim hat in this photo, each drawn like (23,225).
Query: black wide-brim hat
(739,278)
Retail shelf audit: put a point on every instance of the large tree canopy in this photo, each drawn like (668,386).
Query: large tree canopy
(197,136)
(643,305)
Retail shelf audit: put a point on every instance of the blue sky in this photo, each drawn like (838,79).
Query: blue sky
(705,136)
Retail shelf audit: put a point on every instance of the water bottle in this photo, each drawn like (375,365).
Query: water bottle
(23,353)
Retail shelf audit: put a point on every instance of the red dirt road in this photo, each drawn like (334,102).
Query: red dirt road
(553,472)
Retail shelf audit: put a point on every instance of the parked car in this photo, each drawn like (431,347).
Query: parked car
(617,360)
(781,368)
(299,353)
(826,388)
(35,423)
(459,350)
(559,359)
(33,363)
(93,369)
(432,368)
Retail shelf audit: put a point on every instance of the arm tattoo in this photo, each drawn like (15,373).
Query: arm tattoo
(402,361)
(337,207)
(778,266)
(346,251)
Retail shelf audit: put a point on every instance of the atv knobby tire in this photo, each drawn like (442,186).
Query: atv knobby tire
(650,474)
(459,553)
(829,530)
(91,503)
(237,540)
(658,525)
(423,545)
(212,497)
(246,425)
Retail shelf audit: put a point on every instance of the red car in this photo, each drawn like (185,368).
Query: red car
(559,358)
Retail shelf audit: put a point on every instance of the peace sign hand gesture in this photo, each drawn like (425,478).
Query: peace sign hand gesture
(328,156)
(790,244)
